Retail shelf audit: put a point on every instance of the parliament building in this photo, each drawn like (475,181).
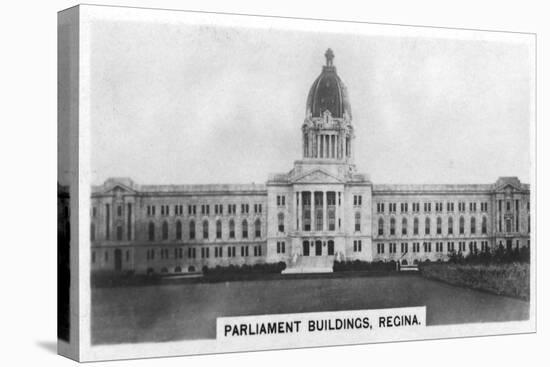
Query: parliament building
(322,210)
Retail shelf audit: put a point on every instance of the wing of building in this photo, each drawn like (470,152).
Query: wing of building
(321,211)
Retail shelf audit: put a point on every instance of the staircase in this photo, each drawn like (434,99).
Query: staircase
(309,264)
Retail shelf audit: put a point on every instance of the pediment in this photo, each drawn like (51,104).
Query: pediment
(317,176)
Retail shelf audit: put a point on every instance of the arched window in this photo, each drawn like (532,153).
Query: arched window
(231,228)
(380,226)
(218,229)
(92,232)
(427,225)
(439,225)
(205,229)
(245,228)
(461,225)
(450,225)
(258,228)
(472,225)
(357,222)
(165,230)
(404,226)
(281,222)
(415,225)
(392,226)
(484,225)
(192,230)
(151,231)
(178,230)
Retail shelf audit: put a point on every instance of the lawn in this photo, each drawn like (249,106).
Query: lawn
(189,310)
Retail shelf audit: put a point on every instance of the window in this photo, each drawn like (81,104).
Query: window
(94,212)
(450,246)
(178,209)
(427,247)
(380,207)
(392,247)
(258,228)
(92,232)
(178,230)
(119,210)
(319,220)
(150,210)
(231,228)
(357,246)
(461,225)
(450,207)
(472,225)
(357,222)
(404,247)
(119,233)
(164,210)
(427,226)
(245,208)
(450,225)
(404,207)
(357,200)
(438,225)
(380,226)
(392,226)
(257,208)
(415,226)
(218,229)
(508,225)
(416,207)
(281,247)
(245,229)
(192,230)
(404,226)
(281,222)
(151,231)
(331,220)
(205,229)
(427,207)
(165,230)
(379,248)
(244,251)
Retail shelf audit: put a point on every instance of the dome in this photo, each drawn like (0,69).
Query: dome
(328,92)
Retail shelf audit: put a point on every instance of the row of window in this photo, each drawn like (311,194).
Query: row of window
(438,206)
(427,247)
(219,252)
(205,230)
(165,211)
(427,226)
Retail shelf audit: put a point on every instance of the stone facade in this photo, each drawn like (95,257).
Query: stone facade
(322,210)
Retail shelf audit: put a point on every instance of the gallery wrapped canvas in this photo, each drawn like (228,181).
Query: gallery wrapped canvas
(238,183)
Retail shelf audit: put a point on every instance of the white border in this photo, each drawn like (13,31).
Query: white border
(144,350)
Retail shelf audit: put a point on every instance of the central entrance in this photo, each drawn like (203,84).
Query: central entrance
(318,248)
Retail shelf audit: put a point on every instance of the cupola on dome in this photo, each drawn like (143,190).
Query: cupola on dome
(328,92)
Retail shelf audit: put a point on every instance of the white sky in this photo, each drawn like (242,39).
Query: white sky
(176,104)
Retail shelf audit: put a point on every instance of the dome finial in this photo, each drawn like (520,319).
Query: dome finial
(329,55)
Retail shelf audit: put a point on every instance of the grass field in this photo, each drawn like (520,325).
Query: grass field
(188,311)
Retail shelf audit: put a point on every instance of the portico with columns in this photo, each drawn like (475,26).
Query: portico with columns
(323,185)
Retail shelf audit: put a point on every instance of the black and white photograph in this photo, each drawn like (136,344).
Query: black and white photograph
(250,183)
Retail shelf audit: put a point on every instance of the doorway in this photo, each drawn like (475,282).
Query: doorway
(318,248)
(330,247)
(305,248)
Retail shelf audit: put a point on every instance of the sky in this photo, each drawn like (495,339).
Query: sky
(177,103)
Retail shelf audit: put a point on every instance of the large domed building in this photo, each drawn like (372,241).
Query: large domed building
(319,212)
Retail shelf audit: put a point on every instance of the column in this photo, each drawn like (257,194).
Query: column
(325,216)
(300,219)
(318,148)
(312,217)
